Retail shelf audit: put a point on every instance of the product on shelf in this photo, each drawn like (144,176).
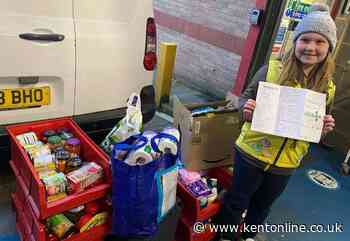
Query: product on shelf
(27,139)
(60,226)
(62,158)
(54,142)
(72,145)
(56,186)
(89,174)
(204,189)
(96,220)
(73,164)
(47,134)
(58,162)
(77,220)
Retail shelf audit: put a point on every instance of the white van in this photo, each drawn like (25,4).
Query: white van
(79,58)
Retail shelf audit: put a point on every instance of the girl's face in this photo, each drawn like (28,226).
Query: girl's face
(311,48)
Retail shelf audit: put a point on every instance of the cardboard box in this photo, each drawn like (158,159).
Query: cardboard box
(207,140)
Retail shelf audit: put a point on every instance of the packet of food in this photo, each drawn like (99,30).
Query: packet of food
(130,125)
(87,175)
(60,225)
(28,138)
(98,219)
(45,162)
(55,184)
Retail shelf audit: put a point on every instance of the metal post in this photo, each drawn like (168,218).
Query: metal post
(165,72)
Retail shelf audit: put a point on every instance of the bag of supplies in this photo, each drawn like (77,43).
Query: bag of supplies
(143,192)
(130,125)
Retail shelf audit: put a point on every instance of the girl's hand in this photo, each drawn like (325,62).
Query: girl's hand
(248,109)
(328,124)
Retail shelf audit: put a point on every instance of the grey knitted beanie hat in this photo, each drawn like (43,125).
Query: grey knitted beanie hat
(319,21)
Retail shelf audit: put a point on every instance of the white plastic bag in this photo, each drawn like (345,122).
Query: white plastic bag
(130,125)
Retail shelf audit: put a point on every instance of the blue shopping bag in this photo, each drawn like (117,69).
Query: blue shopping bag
(166,177)
(135,190)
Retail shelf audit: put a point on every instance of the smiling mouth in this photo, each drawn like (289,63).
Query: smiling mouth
(309,54)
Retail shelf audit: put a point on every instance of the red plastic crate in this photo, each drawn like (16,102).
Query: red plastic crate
(21,196)
(184,232)
(19,226)
(64,204)
(36,231)
(19,231)
(36,189)
(20,192)
(22,226)
(191,208)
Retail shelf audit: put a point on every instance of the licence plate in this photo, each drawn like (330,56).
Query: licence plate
(24,97)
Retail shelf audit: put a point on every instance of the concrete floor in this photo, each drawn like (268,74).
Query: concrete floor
(305,202)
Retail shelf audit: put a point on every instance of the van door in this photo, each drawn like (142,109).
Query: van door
(37,73)
(110,50)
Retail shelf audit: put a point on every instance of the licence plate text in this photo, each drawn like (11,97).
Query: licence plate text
(24,97)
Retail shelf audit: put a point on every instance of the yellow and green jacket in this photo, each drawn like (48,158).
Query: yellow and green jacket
(275,154)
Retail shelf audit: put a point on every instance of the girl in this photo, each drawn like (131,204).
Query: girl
(264,163)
